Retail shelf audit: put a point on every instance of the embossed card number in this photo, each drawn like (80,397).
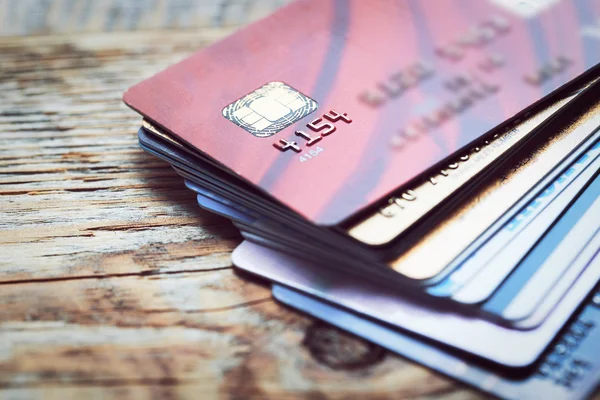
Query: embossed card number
(323,128)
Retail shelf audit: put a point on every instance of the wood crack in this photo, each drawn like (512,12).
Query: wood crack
(108,276)
(98,383)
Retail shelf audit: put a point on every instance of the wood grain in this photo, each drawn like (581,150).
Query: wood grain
(113,283)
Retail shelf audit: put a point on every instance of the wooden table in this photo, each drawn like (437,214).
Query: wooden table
(113,283)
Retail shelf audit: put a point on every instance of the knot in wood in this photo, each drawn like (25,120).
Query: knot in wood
(340,350)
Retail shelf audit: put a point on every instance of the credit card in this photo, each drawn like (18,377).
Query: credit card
(436,320)
(487,268)
(329,106)
(550,258)
(569,369)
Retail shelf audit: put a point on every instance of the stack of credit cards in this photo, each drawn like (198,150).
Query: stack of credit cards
(425,175)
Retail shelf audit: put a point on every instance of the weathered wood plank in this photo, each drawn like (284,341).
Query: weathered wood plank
(113,283)
(81,198)
(205,333)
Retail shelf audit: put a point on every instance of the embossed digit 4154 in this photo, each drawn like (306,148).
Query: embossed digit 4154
(324,126)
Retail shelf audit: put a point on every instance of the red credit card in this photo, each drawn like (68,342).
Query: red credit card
(330,105)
